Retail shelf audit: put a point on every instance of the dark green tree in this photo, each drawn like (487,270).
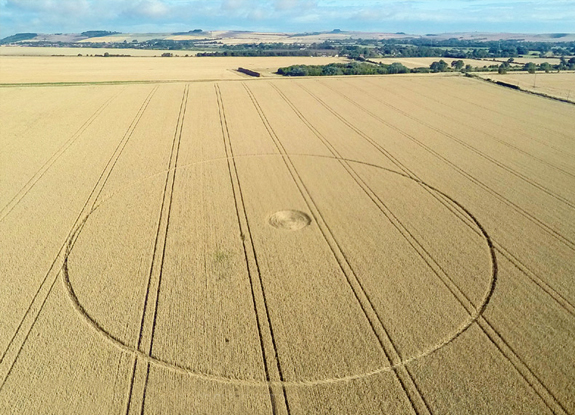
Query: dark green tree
(440,66)
(546,67)
(458,65)
(530,67)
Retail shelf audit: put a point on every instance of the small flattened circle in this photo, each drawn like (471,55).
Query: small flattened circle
(289,220)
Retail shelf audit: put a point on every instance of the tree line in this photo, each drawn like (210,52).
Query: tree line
(374,68)
(531,67)
(353,68)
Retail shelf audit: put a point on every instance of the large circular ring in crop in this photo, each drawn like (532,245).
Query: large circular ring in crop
(401,254)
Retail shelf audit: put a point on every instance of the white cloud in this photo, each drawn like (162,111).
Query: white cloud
(234,5)
(153,9)
(295,5)
(50,6)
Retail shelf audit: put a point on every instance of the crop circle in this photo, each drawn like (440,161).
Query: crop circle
(291,220)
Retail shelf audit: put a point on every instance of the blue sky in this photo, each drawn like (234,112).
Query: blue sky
(411,16)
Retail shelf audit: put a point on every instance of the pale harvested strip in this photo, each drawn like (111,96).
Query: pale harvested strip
(38,125)
(439,171)
(40,224)
(16,69)
(267,67)
(537,60)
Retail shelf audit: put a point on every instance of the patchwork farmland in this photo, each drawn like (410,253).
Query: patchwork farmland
(394,244)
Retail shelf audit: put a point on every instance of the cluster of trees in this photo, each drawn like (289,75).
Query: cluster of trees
(190,32)
(99,33)
(498,47)
(110,55)
(284,46)
(459,65)
(274,49)
(358,49)
(451,48)
(354,68)
(262,53)
(563,65)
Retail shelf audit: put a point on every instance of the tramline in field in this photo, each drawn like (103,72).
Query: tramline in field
(363,245)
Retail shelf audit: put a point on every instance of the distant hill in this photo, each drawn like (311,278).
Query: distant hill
(18,37)
(234,37)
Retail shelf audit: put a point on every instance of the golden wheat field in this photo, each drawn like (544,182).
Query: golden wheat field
(63,51)
(370,245)
(560,85)
(69,69)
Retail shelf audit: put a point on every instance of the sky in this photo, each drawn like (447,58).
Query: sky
(410,16)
